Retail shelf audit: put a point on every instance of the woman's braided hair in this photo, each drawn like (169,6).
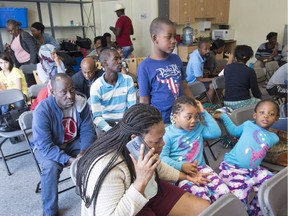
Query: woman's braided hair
(137,120)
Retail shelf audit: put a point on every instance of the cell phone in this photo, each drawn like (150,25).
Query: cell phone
(134,147)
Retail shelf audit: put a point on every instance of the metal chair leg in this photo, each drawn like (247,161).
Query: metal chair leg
(3,157)
(205,158)
(210,149)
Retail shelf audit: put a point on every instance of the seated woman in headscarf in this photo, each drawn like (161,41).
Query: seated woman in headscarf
(50,63)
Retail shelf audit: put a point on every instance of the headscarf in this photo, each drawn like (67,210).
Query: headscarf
(48,64)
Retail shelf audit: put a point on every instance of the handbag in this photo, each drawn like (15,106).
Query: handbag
(83,42)
(9,121)
(68,46)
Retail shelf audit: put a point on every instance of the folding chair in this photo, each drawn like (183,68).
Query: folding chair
(73,170)
(228,204)
(199,91)
(28,72)
(272,195)
(25,122)
(219,83)
(243,114)
(34,90)
(7,97)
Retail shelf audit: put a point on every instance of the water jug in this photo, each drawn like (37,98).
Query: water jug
(187,36)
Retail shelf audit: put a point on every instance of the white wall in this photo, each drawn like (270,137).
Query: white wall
(253,20)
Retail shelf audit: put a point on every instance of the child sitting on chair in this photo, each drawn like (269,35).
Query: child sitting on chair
(183,148)
(240,168)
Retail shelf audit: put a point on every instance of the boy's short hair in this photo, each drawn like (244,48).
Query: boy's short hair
(105,54)
(157,23)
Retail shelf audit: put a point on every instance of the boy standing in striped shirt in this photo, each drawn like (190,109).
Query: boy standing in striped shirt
(112,93)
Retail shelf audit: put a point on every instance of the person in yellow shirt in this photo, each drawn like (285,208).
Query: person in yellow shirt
(11,78)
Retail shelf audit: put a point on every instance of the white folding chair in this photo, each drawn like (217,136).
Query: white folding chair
(25,122)
(226,205)
(272,194)
(7,97)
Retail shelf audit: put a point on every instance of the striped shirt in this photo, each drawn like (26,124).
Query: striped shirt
(263,51)
(109,102)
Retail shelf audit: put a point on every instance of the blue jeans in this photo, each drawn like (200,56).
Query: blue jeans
(127,50)
(50,174)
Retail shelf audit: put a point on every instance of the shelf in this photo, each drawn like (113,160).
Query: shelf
(80,26)
(90,17)
(51,1)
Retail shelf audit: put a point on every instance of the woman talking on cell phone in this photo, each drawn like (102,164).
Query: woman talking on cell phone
(112,182)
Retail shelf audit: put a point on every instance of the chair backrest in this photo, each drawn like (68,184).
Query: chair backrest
(25,120)
(272,194)
(28,69)
(10,96)
(34,90)
(73,170)
(228,204)
(218,82)
(242,114)
(198,89)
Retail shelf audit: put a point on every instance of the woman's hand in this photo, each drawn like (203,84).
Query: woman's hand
(190,168)
(144,167)
(57,60)
(199,105)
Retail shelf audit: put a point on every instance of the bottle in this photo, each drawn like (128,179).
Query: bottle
(187,36)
